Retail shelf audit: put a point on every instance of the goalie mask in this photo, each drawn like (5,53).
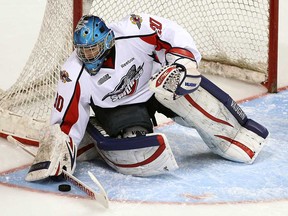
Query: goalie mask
(92,40)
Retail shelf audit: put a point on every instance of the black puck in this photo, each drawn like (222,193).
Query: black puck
(64,187)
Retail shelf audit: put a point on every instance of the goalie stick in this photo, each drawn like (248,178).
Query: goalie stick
(101,197)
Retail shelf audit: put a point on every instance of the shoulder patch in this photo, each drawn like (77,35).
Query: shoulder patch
(136,20)
(64,76)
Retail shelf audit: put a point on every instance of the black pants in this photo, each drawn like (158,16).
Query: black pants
(115,120)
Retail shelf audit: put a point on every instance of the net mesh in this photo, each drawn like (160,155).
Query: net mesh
(232,36)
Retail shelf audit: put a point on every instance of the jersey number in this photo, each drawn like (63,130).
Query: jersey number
(155,25)
(59,101)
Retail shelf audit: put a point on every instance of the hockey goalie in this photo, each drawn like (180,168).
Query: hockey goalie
(125,72)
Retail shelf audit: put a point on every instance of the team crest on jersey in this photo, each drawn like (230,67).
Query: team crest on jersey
(127,85)
(136,20)
(64,76)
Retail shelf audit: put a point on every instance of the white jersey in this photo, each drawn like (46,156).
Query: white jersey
(140,45)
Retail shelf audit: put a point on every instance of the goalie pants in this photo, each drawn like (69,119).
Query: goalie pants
(115,120)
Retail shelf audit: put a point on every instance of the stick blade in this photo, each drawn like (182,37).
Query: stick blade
(104,197)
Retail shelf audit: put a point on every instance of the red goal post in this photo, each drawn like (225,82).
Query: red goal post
(237,38)
(271,82)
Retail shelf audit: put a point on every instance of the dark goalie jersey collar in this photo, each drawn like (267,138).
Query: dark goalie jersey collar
(110,59)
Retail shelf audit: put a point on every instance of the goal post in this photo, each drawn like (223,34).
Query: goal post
(237,38)
(77,11)
(271,82)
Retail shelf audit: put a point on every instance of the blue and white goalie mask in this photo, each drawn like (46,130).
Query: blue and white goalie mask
(93,40)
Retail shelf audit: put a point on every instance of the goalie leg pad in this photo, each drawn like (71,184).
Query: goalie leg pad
(139,156)
(246,145)
(221,123)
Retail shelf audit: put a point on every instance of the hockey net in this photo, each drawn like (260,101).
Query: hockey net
(232,36)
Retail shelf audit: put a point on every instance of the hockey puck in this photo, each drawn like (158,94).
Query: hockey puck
(64,187)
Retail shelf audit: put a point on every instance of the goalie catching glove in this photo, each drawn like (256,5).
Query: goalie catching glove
(56,152)
(177,79)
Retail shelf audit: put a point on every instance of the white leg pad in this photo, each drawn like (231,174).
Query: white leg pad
(146,161)
(217,126)
(145,155)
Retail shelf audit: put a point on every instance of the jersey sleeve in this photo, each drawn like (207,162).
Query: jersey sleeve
(71,107)
(178,38)
(163,33)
